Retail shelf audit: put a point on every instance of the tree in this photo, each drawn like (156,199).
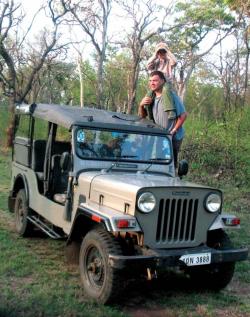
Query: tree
(147,20)
(232,73)
(232,69)
(200,19)
(204,97)
(93,18)
(16,51)
(56,83)
(116,82)
(240,6)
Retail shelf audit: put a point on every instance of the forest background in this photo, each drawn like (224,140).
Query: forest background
(93,53)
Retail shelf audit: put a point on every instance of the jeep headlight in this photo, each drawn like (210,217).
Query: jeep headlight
(213,202)
(146,202)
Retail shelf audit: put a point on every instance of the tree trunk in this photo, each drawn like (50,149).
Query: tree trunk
(79,62)
(135,69)
(99,96)
(246,41)
(11,124)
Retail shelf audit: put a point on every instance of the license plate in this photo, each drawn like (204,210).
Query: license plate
(196,259)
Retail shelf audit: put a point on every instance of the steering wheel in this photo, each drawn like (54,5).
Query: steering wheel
(86,146)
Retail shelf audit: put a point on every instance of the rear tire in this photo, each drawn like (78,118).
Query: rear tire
(101,282)
(23,227)
(218,275)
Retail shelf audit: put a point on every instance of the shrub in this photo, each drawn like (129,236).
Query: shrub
(217,146)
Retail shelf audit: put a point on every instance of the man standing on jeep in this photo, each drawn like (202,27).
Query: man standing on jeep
(165,109)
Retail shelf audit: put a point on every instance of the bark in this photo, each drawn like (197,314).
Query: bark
(79,62)
(12,83)
(247,46)
(142,20)
(93,22)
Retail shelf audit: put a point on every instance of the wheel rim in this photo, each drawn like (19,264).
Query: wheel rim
(94,265)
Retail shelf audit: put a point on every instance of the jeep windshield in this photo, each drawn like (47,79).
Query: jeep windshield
(122,146)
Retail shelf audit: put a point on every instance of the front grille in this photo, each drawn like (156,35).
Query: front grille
(176,220)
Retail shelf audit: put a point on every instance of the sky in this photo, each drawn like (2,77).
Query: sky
(31,7)
(115,25)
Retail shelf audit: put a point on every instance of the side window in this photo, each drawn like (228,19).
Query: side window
(21,150)
(40,137)
(23,128)
(63,134)
(62,141)
(41,129)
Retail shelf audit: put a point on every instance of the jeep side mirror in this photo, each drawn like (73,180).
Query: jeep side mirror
(182,168)
(64,161)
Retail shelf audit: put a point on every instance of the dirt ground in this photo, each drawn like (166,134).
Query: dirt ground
(142,298)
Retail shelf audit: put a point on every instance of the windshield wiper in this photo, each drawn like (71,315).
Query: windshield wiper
(111,167)
(119,164)
(153,160)
(118,161)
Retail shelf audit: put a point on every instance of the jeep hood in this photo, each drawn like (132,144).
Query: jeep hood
(119,190)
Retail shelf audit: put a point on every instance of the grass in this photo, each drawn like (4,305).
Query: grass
(36,280)
(221,146)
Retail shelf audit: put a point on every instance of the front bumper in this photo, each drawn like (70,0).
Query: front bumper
(171,258)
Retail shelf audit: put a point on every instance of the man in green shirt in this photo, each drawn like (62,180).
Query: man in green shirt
(165,108)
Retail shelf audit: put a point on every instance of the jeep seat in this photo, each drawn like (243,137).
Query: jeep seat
(59,179)
(38,156)
(60,198)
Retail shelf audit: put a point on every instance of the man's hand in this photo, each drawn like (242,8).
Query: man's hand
(146,101)
(173,131)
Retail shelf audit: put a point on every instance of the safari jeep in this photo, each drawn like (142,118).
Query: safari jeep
(106,182)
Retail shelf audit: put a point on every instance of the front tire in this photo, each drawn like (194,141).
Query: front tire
(218,275)
(101,282)
(23,227)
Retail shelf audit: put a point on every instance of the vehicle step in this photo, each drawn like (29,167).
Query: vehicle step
(44,227)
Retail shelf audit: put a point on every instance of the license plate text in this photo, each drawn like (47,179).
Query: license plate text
(196,259)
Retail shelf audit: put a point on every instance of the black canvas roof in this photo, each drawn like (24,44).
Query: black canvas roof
(68,116)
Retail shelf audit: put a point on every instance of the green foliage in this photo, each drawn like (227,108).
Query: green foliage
(4,119)
(239,6)
(197,19)
(205,100)
(117,77)
(89,84)
(55,84)
(142,88)
(36,280)
(221,146)
(208,13)
(116,73)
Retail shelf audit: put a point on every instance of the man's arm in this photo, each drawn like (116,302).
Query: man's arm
(172,59)
(179,122)
(151,62)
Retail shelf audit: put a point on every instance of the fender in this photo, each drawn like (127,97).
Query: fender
(19,183)
(220,222)
(96,217)
(91,217)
